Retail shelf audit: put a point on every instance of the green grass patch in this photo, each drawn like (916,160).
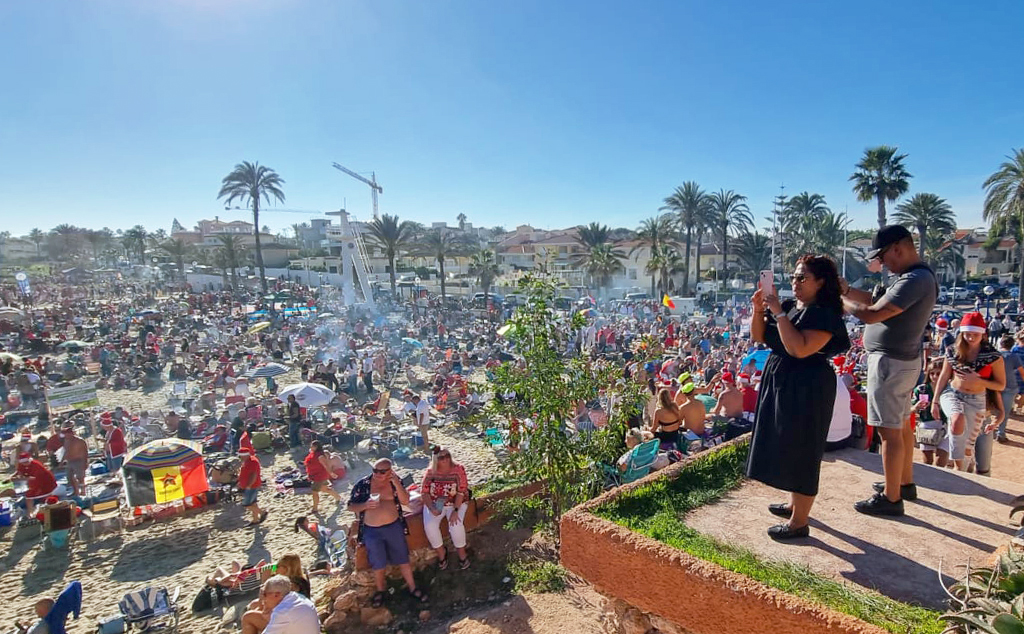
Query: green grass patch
(537,575)
(657,510)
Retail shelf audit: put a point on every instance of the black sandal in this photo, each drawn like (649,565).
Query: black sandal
(442,564)
(418,595)
(464,564)
(378,599)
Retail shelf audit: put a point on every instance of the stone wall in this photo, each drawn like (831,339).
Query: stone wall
(675,592)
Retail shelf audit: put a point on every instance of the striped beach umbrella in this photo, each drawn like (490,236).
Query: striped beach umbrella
(267,370)
(164,452)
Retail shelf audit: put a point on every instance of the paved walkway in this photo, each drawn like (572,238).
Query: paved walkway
(958,517)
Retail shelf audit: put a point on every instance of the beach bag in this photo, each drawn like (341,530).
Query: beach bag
(204,601)
(261,440)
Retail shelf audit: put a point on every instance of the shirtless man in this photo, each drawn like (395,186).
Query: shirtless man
(730,401)
(76,456)
(692,409)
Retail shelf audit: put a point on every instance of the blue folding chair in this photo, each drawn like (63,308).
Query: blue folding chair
(151,609)
(639,464)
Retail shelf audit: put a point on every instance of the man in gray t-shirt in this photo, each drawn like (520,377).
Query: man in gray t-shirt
(895,325)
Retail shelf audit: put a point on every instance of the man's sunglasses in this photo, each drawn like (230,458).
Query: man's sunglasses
(382,471)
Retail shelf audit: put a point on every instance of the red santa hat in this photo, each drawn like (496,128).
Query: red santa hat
(727,377)
(941,324)
(25,458)
(245,450)
(744,377)
(973,322)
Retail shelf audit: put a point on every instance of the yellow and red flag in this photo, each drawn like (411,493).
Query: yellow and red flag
(667,302)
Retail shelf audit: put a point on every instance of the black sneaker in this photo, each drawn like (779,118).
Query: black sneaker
(908,492)
(878,504)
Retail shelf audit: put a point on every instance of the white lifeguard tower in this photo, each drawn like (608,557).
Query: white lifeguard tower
(354,262)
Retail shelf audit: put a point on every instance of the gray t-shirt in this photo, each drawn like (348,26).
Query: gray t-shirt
(1012,363)
(899,337)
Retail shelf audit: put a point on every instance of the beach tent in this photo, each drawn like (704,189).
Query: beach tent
(164,471)
(759,357)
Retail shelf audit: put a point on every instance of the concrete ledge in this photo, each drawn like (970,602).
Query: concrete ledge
(696,595)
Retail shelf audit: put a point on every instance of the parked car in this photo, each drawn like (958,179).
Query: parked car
(636,296)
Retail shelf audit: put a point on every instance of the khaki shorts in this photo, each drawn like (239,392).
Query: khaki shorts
(891,384)
(321,485)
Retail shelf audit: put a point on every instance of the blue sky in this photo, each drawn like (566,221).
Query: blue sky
(114,113)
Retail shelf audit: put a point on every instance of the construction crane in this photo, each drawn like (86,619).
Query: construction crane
(372,182)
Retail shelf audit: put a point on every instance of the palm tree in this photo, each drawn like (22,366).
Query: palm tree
(134,243)
(653,234)
(441,244)
(1004,199)
(230,255)
(461,218)
(37,236)
(754,252)
(924,212)
(391,236)
(483,265)
(689,202)
(97,239)
(670,262)
(592,235)
(249,183)
(177,249)
(297,228)
(729,213)
(601,262)
(881,176)
(66,241)
(798,219)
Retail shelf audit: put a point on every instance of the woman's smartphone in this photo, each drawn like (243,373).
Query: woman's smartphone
(766,283)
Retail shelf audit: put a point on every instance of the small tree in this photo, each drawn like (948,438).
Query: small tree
(548,388)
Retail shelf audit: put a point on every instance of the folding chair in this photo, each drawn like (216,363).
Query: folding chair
(104,511)
(151,609)
(641,459)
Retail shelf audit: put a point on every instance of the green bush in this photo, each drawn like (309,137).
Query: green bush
(535,575)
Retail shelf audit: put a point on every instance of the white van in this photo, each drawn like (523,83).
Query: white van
(685,306)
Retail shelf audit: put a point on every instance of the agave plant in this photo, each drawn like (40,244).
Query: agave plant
(989,600)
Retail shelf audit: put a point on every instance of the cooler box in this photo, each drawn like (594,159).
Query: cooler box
(5,514)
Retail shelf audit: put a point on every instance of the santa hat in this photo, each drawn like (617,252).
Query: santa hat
(727,377)
(744,377)
(245,450)
(973,322)
(941,324)
(25,458)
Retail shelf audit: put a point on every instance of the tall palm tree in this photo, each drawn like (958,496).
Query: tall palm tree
(925,212)
(601,262)
(391,236)
(670,262)
(689,202)
(798,218)
(97,239)
(484,266)
(703,226)
(65,241)
(654,234)
(37,236)
(592,235)
(1004,199)
(730,214)
(177,249)
(230,255)
(461,219)
(442,244)
(249,183)
(134,242)
(881,176)
(754,252)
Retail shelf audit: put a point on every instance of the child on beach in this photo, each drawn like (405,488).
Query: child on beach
(930,433)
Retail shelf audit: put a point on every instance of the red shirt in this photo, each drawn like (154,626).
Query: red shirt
(858,405)
(314,470)
(749,399)
(40,480)
(245,441)
(250,467)
(116,446)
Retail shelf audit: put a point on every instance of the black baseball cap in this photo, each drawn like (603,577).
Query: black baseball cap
(887,236)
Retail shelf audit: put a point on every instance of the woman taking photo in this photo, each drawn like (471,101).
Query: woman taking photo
(970,367)
(794,405)
(445,492)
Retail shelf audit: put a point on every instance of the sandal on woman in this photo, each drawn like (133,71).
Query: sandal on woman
(442,563)
(378,599)
(418,595)
(464,563)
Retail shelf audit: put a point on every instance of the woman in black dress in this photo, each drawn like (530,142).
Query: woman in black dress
(798,388)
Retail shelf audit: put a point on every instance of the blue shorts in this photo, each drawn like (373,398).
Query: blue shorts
(386,545)
(249,496)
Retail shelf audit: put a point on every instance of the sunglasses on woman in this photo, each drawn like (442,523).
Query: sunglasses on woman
(381,471)
(799,278)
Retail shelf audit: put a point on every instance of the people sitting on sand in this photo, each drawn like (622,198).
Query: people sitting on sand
(377,501)
(217,441)
(39,480)
(729,405)
(635,438)
(53,613)
(445,492)
(287,611)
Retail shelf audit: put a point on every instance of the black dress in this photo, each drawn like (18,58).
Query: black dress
(794,404)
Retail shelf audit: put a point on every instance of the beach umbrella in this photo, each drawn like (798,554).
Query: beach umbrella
(269,369)
(308,394)
(11,356)
(74,343)
(10,312)
(147,313)
(263,325)
(163,471)
(759,357)
(412,342)
(184,305)
(325,315)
